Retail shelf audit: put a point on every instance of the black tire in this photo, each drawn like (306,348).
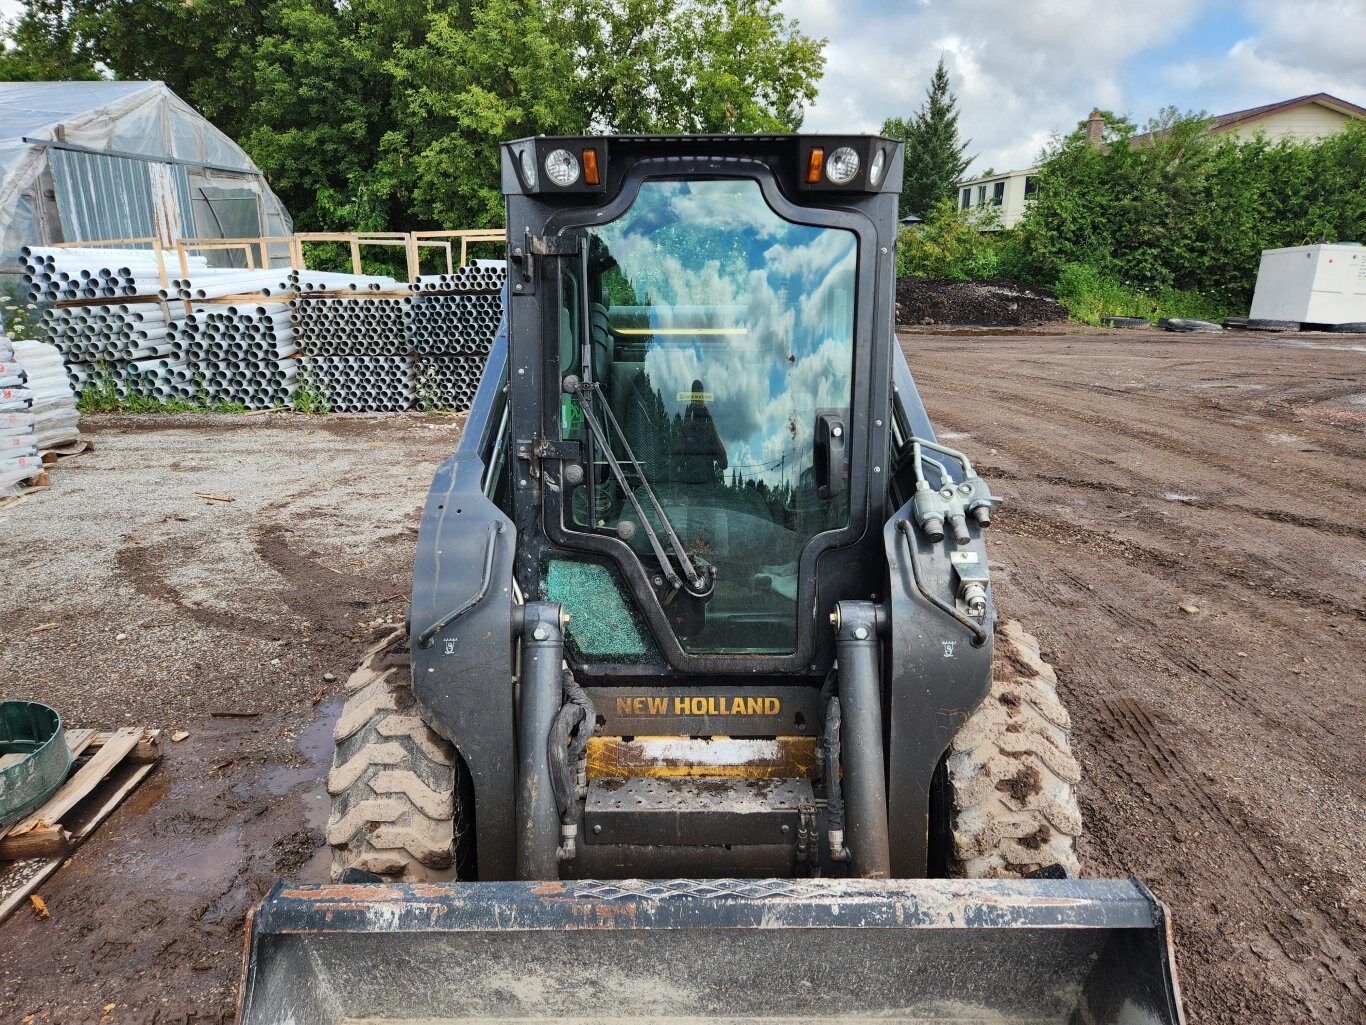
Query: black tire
(1187,324)
(1235,323)
(1124,322)
(1357,327)
(1011,775)
(393,778)
(1273,325)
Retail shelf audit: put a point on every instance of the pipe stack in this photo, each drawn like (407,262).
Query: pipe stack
(240,354)
(475,276)
(451,324)
(59,274)
(351,327)
(452,333)
(365,384)
(308,281)
(131,348)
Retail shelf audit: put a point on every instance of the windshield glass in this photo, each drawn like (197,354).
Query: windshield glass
(722,341)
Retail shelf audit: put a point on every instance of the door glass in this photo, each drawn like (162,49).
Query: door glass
(722,341)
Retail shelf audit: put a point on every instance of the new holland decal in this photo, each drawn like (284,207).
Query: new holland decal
(642,707)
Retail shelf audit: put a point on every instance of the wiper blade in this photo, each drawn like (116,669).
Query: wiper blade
(699,583)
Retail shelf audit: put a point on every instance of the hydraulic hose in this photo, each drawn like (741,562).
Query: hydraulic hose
(566,746)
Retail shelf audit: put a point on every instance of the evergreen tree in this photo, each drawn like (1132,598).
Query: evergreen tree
(934,156)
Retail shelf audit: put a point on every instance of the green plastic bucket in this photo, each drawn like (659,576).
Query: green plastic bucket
(33,731)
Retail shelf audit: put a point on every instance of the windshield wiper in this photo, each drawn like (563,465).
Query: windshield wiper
(699,582)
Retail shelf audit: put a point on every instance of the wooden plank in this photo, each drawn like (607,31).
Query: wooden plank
(79,740)
(7,760)
(148,749)
(20,896)
(51,840)
(43,842)
(85,779)
(125,784)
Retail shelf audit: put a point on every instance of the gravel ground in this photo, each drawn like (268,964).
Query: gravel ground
(170,608)
(1146,475)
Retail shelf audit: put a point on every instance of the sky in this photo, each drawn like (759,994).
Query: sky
(1024,70)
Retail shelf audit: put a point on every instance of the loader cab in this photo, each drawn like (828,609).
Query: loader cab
(705,323)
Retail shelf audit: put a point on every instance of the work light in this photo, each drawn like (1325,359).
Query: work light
(562,167)
(842,166)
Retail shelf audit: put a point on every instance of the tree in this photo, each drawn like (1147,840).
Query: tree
(46,44)
(934,155)
(378,114)
(500,69)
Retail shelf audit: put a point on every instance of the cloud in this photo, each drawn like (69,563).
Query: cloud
(1288,50)
(1024,71)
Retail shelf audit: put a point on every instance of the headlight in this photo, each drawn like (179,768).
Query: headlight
(879,164)
(562,167)
(842,166)
(528,161)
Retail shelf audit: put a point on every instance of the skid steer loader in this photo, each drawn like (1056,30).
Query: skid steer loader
(695,718)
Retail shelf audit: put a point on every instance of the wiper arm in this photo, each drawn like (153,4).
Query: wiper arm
(699,583)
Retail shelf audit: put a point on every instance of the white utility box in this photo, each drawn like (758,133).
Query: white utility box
(1312,284)
(1322,284)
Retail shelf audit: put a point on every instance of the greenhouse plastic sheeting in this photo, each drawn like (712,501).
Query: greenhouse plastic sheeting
(144,119)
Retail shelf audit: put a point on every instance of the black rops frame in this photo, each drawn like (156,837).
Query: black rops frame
(538,241)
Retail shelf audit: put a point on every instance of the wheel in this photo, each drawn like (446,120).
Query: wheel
(1124,322)
(393,778)
(1187,324)
(1011,775)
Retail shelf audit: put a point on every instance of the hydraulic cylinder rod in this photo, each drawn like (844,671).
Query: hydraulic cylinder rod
(861,748)
(538,824)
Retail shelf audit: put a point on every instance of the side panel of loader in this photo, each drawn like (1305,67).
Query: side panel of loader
(1068,952)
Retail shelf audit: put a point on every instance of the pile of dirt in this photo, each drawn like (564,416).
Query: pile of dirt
(999,302)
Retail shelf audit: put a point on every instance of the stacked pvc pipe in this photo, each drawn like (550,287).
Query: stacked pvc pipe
(365,384)
(452,324)
(58,274)
(351,327)
(51,401)
(241,353)
(323,281)
(132,348)
(19,457)
(475,276)
(449,381)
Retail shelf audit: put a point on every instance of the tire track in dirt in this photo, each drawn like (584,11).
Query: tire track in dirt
(1222,746)
(1304,973)
(1205,456)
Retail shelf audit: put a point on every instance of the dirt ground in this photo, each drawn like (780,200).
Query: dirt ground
(1183,531)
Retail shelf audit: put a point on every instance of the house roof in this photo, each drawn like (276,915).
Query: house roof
(1224,122)
(1253,113)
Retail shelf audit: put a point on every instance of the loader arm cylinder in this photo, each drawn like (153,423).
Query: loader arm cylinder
(865,784)
(537,821)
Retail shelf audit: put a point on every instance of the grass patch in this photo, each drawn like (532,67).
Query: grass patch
(309,396)
(102,396)
(1090,295)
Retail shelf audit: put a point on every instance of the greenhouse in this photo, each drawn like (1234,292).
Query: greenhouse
(94,161)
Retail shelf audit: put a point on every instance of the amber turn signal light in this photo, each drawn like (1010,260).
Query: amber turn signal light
(813,165)
(590,167)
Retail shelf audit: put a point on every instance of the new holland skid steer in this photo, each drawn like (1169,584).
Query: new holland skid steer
(695,717)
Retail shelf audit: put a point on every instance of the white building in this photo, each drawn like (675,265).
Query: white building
(1008,193)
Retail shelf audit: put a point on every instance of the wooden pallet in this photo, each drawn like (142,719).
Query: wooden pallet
(109,766)
(52,456)
(32,484)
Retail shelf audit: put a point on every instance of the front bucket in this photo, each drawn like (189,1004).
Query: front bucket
(1070,952)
